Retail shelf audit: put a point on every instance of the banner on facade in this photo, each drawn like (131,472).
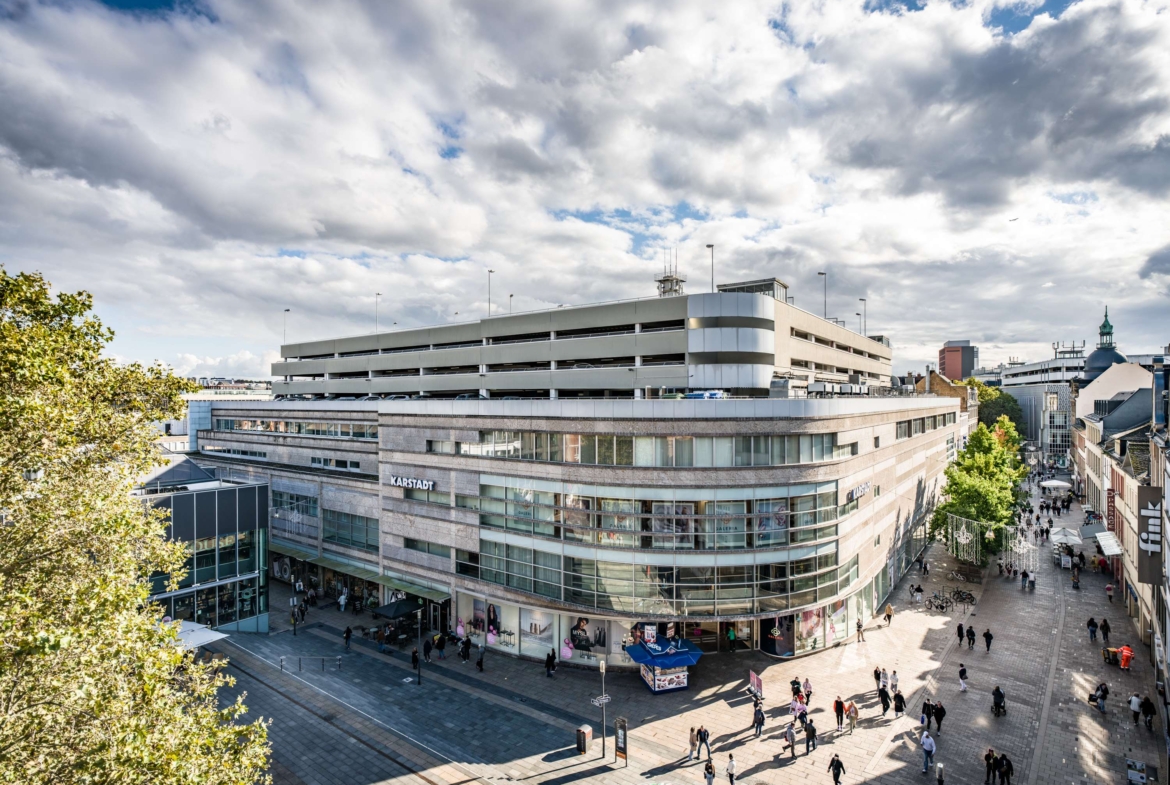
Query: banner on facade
(1149,530)
(1110,509)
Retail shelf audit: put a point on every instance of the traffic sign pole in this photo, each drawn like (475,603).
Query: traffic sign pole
(603,702)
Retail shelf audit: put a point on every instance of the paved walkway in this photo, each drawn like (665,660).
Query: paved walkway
(365,723)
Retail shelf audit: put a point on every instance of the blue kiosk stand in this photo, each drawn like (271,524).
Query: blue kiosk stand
(664,665)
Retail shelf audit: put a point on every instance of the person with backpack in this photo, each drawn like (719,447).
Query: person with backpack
(1006,769)
(758,721)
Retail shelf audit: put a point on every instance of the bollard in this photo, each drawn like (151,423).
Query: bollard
(298,664)
(940,773)
(338,663)
(322,664)
(282,664)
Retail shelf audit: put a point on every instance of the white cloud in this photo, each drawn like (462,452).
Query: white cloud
(243,365)
(202,172)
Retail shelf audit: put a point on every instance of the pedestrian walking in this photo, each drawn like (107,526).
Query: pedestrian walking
(839,711)
(989,761)
(465,649)
(987,638)
(885,678)
(427,647)
(939,713)
(1148,712)
(347,635)
(860,631)
(889,614)
(962,633)
(852,713)
(877,678)
(1135,705)
(709,773)
(970,637)
(894,681)
(1099,696)
(758,721)
(836,768)
(928,748)
(479,659)
(884,697)
(1092,625)
(796,709)
(692,743)
(1006,769)
(927,712)
(807,691)
(962,677)
(1109,591)
(550,664)
(810,737)
(704,736)
(731,637)
(414,658)
(1105,629)
(731,769)
(1024,579)
(925,567)
(441,646)
(790,737)
(899,704)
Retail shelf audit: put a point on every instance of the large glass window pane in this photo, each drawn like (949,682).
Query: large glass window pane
(771,522)
(731,526)
(684,454)
(704,451)
(554,448)
(743,451)
(227,556)
(810,631)
(663,451)
(624,450)
(806,451)
(791,449)
(527,445)
(205,606)
(761,450)
(588,449)
(644,451)
(818,447)
(246,596)
(724,451)
(778,451)
(184,607)
(541,446)
(205,560)
(226,606)
(605,454)
(246,551)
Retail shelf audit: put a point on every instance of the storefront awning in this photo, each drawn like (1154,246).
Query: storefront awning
(345,567)
(685,653)
(1109,543)
(296,551)
(1092,529)
(435,595)
(397,610)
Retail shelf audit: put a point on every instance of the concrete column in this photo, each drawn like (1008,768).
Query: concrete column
(638,361)
(552,336)
(483,391)
(552,365)
(637,393)
(552,395)
(637,328)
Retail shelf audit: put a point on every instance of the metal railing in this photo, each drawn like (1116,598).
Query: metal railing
(311,662)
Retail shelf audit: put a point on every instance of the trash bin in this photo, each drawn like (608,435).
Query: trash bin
(1031,583)
(584,738)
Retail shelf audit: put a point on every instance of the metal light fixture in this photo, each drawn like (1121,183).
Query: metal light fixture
(826,277)
(711,246)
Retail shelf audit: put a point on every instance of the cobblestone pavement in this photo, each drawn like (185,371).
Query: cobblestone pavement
(365,723)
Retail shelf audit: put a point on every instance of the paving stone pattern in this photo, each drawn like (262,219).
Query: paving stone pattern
(365,724)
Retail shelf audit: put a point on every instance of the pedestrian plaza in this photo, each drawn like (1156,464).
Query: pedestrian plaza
(358,716)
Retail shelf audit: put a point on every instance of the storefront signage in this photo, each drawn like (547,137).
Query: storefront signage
(620,737)
(1110,508)
(411,482)
(858,492)
(1149,535)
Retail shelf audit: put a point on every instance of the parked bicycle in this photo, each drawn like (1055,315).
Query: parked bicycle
(956,576)
(939,602)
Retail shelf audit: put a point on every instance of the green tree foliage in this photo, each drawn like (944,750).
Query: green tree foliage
(93,689)
(981,483)
(994,403)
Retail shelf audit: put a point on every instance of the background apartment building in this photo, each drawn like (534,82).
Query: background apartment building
(957,360)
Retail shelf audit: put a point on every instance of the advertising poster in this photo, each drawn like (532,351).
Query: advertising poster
(757,685)
(478,616)
(537,631)
(620,737)
(586,636)
(493,619)
(650,632)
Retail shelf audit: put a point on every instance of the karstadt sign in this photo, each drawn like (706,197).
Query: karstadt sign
(412,482)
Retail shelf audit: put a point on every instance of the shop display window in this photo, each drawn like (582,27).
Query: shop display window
(538,632)
(810,630)
(586,639)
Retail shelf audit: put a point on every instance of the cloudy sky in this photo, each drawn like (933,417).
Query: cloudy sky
(981,170)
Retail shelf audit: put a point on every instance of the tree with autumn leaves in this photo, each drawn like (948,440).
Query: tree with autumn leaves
(93,688)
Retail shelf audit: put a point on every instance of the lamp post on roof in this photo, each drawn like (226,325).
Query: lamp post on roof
(711,247)
(826,277)
(377,295)
(286,310)
(490,292)
(864,317)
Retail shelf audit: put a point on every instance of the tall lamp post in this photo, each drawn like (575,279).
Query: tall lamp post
(601,663)
(286,310)
(510,304)
(420,646)
(376,296)
(711,246)
(826,277)
(864,317)
(490,292)
(859,327)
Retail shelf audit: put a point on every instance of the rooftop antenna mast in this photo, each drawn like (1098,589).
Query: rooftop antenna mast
(670,283)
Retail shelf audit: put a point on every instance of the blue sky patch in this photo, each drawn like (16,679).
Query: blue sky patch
(1014,18)
(1075,197)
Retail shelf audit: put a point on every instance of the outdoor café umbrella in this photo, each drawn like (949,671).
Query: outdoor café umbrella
(1065,537)
(1056,485)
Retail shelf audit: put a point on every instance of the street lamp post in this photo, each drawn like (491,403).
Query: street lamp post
(510,304)
(864,317)
(712,247)
(286,310)
(420,646)
(490,292)
(376,296)
(603,702)
(826,277)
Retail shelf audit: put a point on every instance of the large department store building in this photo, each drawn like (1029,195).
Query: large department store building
(580,503)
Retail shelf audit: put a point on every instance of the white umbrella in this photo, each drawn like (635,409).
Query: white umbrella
(1065,537)
(1061,484)
(192,635)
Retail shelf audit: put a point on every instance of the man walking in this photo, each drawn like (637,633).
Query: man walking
(839,710)
(885,679)
(758,721)
(970,637)
(731,769)
(704,737)
(347,635)
(837,768)
(1135,705)
(427,647)
(479,659)
(987,638)
(877,678)
(1092,625)
(928,748)
(810,736)
(962,633)
(939,713)
(1006,769)
(1148,712)
(790,737)
(884,697)
(1105,629)
(962,677)
(692,743)
(927,712)
(860,632)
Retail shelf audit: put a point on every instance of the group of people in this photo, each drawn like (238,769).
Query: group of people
(968,633)
(888,692)
(998,766)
